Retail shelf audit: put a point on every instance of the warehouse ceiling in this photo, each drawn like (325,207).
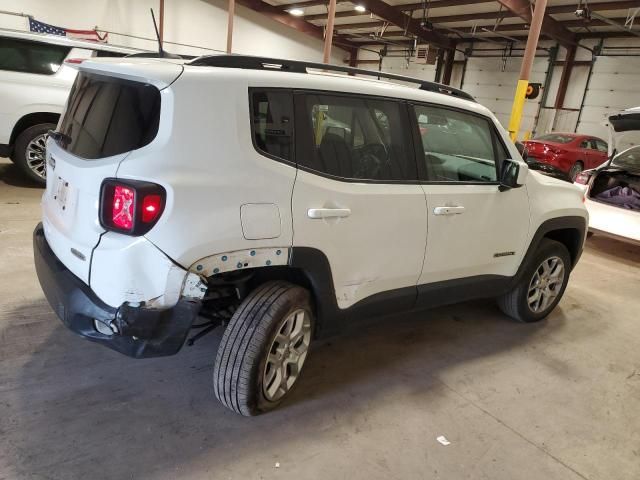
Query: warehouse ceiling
(446,21)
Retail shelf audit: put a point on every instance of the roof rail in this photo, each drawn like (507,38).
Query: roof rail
(296,66)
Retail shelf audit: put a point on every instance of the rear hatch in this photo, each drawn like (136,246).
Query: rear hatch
(113,109)
(624,130)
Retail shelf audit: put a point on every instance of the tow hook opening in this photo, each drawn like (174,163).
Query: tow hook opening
(104,328)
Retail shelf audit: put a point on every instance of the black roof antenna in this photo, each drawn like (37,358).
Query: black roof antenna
(161,53)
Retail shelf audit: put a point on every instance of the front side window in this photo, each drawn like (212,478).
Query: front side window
(108,116)
(31,57)
(272,122)
(458,146)
(355,138)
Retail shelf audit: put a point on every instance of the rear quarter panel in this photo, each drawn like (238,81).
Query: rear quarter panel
(204,157)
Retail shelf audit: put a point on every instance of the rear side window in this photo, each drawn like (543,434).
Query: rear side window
(458,146)
(601,146)
(31,57)
(107,116)
(355,138)
(272,123)
(556,138)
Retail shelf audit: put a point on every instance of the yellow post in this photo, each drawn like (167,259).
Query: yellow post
(518,107)
(525,69)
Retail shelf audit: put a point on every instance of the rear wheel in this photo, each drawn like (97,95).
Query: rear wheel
(541,286)
(575,170)
(29,153)
(264,348)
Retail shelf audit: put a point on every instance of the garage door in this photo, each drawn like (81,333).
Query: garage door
(495,88)
(613,87)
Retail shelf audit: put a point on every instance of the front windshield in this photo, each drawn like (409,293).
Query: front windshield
(628,159)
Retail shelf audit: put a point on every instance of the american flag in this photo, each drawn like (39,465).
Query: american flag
(41,27)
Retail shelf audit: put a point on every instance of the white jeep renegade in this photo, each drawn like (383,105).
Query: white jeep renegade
(254,194)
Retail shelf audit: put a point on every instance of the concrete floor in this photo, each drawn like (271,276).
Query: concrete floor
(555,400)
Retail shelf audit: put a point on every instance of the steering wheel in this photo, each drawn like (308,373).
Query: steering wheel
(373,158)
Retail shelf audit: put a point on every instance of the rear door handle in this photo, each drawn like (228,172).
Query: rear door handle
(448,210)
(328,212)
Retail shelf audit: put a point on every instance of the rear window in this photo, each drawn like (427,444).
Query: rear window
(107,116)
(556,138)
(109,54)
(31,57)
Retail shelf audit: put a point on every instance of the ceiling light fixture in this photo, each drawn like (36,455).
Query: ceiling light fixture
(296,12)
(359,8)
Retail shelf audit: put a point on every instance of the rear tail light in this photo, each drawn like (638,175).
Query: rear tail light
(130,207)
(583,178)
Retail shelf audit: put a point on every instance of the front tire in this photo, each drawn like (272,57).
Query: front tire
(541,286)
(29,153)
(264,348)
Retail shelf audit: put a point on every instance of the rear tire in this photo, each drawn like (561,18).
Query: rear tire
(264,348)
(29,153)
(541,286)
(575,170)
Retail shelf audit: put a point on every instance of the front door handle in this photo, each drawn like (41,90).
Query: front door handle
(328,212)
(448,210)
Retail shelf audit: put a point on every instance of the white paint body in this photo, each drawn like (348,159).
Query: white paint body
(613,220)
(606,218)
(24,93)
(222,194)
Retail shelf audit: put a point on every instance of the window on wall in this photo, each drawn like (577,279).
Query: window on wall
(31,57)
(458,146)
(272,122)
(355,138)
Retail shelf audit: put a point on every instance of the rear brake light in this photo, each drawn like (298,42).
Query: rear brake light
(74,60)
(122,207)
(151,208)
(583,178)
(130,207)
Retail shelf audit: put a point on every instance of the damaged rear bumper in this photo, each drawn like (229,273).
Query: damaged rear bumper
(134,331)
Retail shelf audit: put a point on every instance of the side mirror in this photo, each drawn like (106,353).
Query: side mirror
(512,175)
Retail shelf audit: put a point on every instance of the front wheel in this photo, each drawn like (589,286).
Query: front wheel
(541,286)
(264,348)
(30,151)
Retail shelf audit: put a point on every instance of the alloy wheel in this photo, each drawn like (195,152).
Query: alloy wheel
(287,354)
(35,155)
(546,284)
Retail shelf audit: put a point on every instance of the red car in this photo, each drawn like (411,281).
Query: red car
(569,153)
